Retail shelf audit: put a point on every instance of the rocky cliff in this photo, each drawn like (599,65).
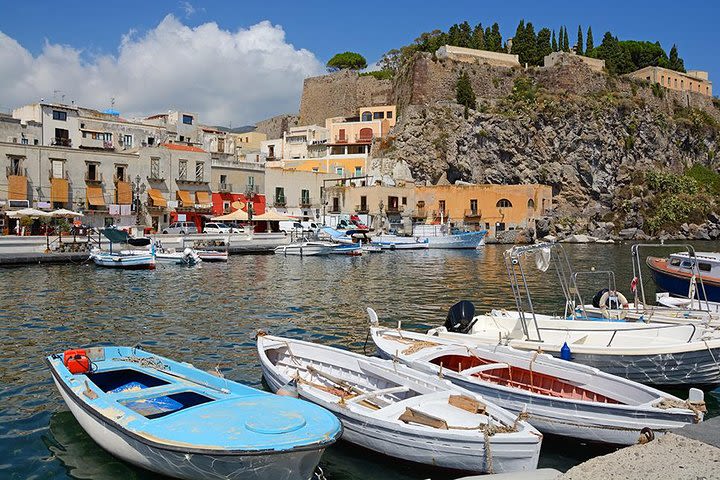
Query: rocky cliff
(592,137)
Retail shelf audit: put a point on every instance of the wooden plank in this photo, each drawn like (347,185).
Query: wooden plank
(420,418)
(469,404)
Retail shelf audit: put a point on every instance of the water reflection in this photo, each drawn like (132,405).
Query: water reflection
(209,316)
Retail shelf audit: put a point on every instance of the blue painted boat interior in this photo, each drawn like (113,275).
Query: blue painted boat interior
(175,404)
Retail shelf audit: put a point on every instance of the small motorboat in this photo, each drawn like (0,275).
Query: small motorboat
(677,273)
(179,421)
(394,410)
(351,249)
(213,255)
(556,396)
(102,258)
(396,242)
(442,237)
(306,248)
(170,256)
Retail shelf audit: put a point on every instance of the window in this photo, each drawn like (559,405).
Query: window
(378,115)
(271,151)
(151,141)
(62,137)
(366,116)
(305,197)
(388,114)
(182,138)
(24,141)
(363,203)
(182,170)
(120,173)
(705,267)
(339,171)
(92,172)
(315,169)
(58,168)
(404,200)
(393,204)
(199,171)
(531,203)
(341,135)
(441,206)
(251,181)
(187,119)
(473,206)
(503,203)
(221,145)
(59,115)
(128,141)
(223,179)
(16,166)
(154,167)
(358,171)
(336,204)
(279,196)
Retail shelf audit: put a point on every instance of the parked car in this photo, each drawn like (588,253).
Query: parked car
(310,226)
(182,228)
(214,227)
(288,226)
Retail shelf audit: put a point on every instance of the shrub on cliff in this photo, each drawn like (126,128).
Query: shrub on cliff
(346,60)
(464,93)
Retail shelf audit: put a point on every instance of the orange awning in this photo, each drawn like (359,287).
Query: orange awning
(157,198)
(17,187)
(185,198)
(95,196)
(203,198)
(59,190)
(124,193)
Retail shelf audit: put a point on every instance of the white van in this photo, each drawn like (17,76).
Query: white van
(287,226)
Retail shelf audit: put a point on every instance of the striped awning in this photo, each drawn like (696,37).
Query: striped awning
(185,198)
(59,190)
(95,196)
(203,198)
(158,199)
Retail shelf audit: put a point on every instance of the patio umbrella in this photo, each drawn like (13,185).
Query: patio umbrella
(271,216)
(236,216)
(28,212)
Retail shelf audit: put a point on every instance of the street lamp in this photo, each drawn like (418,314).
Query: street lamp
(138,189)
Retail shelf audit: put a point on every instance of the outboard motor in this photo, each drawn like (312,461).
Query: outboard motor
(597,297)
(460,317)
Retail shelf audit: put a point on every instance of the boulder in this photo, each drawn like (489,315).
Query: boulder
(579,238)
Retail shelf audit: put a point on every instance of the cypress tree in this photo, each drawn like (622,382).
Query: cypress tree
(579,46)
(561,39)
(554,42)
(478,37)
(676,63)
(496,38)
(543,46)
(464,93)
(454,35)
(465,34)
(531,45)
(589,44)
(566,41)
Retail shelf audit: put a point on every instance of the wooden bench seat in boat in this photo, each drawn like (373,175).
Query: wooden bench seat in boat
(482,368)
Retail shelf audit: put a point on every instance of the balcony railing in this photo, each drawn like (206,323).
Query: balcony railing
(280,201)
(362,208)
(251,190)
(97,178)
(15,171)
(225,187)
(64,176)
(305,202)
(61,142)
(123,178)
(440,213)
(341,139)
(473,213)
(364,138)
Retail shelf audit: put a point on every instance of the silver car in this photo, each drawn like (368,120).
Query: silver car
(181,228)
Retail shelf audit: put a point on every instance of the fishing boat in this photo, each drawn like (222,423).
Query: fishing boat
(118,260)
(556,396)
(441,237)
(396,242)
(176,420)
(396,411)
(187,256)
(306,248)
(678,272)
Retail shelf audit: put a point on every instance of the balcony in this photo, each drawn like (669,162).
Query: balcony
(305,202)
(191,181)
(123,178)
(341,139)
(61,142)
(224,187)
(96,143)
(95,178)
(395,208)
(473,213)
(364,138)
(280,201)
(64,176)
(15,172)
(362,208)
(440,213)
(251,190)
(155,177)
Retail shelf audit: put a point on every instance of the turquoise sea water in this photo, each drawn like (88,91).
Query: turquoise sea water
(209,315)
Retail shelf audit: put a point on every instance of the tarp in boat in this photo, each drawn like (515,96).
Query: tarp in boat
(115,235)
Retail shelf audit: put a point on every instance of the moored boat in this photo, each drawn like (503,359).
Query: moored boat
(394,410)
(676,273)
(187,256)
(440,237)
(173,419)
(556,396)
(351,249)
(396,242)
(306,248)
(118,260)
(213,255)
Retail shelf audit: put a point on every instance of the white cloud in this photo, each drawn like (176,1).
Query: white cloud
(224,76)
(188,8)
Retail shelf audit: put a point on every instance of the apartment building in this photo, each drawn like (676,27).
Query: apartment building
(695,81)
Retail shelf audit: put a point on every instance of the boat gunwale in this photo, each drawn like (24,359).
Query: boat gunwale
(176,448)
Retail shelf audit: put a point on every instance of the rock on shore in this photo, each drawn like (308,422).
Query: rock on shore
(669,457)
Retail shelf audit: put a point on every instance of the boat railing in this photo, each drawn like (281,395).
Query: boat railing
(614,331)
(575,289)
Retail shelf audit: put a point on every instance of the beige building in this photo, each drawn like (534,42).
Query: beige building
(564,58)
(696,81)
(296,192)
(471,55)
(248,142)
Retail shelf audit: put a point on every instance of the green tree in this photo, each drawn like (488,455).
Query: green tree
(390,61)
(478,37)
(566,40)
(543,46)
(346,60)
(675,62)
(617,57)
(589,45)
(525,44)
(493,38)
(465,35)
(579,46)
(554,42)
(464,93)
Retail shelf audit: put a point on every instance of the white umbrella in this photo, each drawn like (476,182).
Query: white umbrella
(236,216)
(272,216)
(65,213)
(29,212)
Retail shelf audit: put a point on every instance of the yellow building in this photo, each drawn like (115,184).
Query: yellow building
(695,81)
(493,207)
(248,141)
(350,166)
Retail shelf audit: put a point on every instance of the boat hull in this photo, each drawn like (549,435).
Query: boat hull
(304,250)
(426,449)
(129,262)
(285,465)
(460,241)
(678,283)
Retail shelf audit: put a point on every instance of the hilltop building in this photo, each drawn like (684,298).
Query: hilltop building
(564,58)
(471,55)
(696,81)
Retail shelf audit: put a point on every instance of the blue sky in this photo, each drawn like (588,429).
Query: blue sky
(95,30)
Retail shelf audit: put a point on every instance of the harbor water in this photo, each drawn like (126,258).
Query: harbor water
(209,315)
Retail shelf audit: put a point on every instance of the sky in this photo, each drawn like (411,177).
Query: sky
(238,62)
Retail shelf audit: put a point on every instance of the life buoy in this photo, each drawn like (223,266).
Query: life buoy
(614,301)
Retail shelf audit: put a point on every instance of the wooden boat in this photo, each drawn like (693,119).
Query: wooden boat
(556,396)
(676,273)
(118,260)
(394,410)
(176,420)
(306,248)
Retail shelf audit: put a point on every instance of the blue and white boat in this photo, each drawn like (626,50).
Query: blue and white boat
(396,242)
(441,236)
(176,420)
(352,249)
(118,260)
(678,274)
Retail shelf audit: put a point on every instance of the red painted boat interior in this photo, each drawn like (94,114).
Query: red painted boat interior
(516,377)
